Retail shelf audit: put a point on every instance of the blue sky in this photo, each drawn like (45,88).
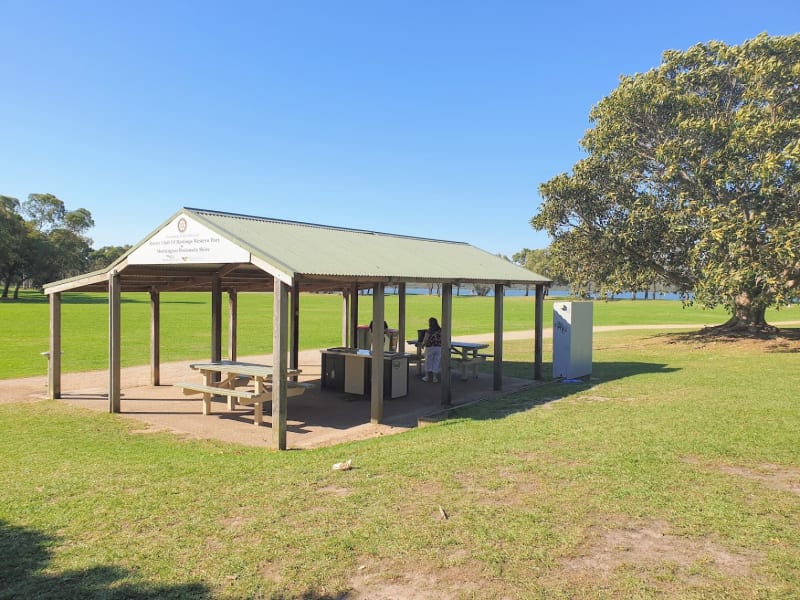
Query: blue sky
(437,119)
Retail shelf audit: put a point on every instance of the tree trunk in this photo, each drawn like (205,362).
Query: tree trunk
(6,285)
(748,317)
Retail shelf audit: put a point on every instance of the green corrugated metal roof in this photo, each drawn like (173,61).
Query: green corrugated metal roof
(320,256)
(317,250)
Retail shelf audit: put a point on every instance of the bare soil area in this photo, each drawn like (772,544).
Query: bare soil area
(653,554)
(317,418)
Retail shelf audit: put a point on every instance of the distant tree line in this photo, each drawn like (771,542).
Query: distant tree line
(583,282)
(41,241)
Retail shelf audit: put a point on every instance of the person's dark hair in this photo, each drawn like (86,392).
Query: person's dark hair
(433,323)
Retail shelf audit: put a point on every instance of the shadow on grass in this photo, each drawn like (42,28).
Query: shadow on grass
(25,554)
(785,340)
(601,371)
(549,390)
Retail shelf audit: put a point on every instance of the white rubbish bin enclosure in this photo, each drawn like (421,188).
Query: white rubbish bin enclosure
(572,340)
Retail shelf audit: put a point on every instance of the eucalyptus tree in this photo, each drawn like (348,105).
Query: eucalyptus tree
(12,236)
(49,244)
(691,175)
(67,250)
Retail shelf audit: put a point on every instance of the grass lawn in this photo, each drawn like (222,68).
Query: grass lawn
(185,324)
(674,472)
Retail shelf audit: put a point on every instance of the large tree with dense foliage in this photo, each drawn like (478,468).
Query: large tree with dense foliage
(50,244)
(691,175)
(12,235)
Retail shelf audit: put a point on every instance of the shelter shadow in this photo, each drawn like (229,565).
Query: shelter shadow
(24,554)
(551,390)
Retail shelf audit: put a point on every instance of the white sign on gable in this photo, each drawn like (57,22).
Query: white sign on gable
(184,240)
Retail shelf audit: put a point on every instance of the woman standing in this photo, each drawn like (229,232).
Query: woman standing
(432,342)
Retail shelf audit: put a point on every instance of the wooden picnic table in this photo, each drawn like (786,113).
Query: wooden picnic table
(222,378)
(466,354)
(232,371)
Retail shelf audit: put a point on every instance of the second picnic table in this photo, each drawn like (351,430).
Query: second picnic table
(464,353)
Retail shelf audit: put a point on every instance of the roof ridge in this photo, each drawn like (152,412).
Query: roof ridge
(220,213)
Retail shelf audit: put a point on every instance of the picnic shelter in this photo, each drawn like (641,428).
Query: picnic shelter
(224,253)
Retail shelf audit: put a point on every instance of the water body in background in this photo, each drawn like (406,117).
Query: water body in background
(509,292)
(621,296)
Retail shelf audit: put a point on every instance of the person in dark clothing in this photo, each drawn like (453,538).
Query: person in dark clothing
(432,342)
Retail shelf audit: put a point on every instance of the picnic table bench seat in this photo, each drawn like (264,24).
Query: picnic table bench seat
(469,362)
(243,396)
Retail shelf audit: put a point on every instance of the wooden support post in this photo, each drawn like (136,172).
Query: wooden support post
(233,324)
(401,317)
(353,332)
(216,319)
(497,365)
(155,338)
(294,357)
(114,342)
(54,356)
(280,335)
(537,341)
(376,392)
(345,314)
(447,336)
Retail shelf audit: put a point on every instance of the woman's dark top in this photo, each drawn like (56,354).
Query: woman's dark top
(433,338)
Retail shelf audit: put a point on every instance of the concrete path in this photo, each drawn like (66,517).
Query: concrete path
(548,332)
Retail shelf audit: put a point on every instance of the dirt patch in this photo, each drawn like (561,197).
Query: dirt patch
(236,521)
(655,556)
(773,476)
(645,552)
(506,487)
(389,580)
(776,477)
(334,490)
